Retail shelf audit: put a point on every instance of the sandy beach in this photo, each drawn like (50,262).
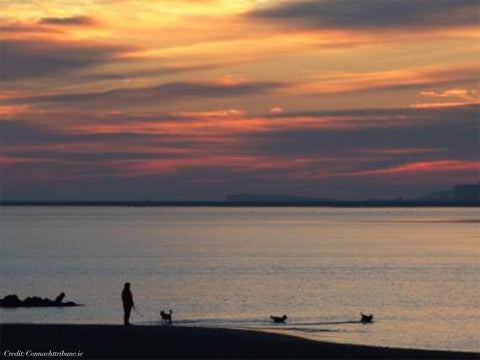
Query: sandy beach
(172,342)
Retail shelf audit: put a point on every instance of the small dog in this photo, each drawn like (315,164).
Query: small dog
(166,317)
(366,318)
(278,319)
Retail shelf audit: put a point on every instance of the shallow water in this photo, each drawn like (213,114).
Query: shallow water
(417,270)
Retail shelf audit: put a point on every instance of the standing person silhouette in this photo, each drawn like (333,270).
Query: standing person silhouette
(127,300)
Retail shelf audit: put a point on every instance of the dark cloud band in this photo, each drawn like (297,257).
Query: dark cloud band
(158,94)
(68,21)
(373,14)
(23,59)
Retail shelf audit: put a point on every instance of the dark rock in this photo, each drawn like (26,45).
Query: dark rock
(35,301)
(10,301)
(59,298)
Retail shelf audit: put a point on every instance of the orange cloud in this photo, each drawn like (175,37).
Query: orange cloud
(6,110)
(460,96)
(396,79)
(276,110)
(442,104)
(214,113)
(215,124)
(459,93)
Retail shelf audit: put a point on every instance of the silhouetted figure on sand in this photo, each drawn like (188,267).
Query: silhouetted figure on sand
(127,300)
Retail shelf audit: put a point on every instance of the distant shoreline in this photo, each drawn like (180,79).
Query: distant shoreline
(173,342)
(337,203)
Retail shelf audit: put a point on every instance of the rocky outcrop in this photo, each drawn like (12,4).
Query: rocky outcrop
(12,301)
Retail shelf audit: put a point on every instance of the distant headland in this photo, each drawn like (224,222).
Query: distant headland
(458,196)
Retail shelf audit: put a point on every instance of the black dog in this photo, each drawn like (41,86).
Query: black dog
(278,319)
(366,318)
(166,317)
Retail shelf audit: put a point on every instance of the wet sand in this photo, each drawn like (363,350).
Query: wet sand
(173,342)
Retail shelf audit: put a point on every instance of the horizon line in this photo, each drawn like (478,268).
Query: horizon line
(225,203)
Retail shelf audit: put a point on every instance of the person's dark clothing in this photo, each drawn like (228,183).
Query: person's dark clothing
(127,300)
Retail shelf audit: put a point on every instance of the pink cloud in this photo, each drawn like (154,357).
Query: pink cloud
(420,167)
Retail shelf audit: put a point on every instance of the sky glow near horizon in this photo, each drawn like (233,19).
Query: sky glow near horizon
(170,100)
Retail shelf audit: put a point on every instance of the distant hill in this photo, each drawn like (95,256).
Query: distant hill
(272,198)
(459,195)
(469,192)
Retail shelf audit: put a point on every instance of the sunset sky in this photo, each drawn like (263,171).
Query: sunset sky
(196,99)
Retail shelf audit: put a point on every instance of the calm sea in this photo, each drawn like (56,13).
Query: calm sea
(417,270)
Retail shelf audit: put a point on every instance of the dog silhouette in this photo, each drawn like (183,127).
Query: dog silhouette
(366,318)
(278,319)
(166,317)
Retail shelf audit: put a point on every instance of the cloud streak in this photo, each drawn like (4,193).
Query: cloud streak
(391,80)
(158,94)
(26,59)
(79,20)
(421,166)
(372,14)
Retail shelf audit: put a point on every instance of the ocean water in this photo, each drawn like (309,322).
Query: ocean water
(416,269)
